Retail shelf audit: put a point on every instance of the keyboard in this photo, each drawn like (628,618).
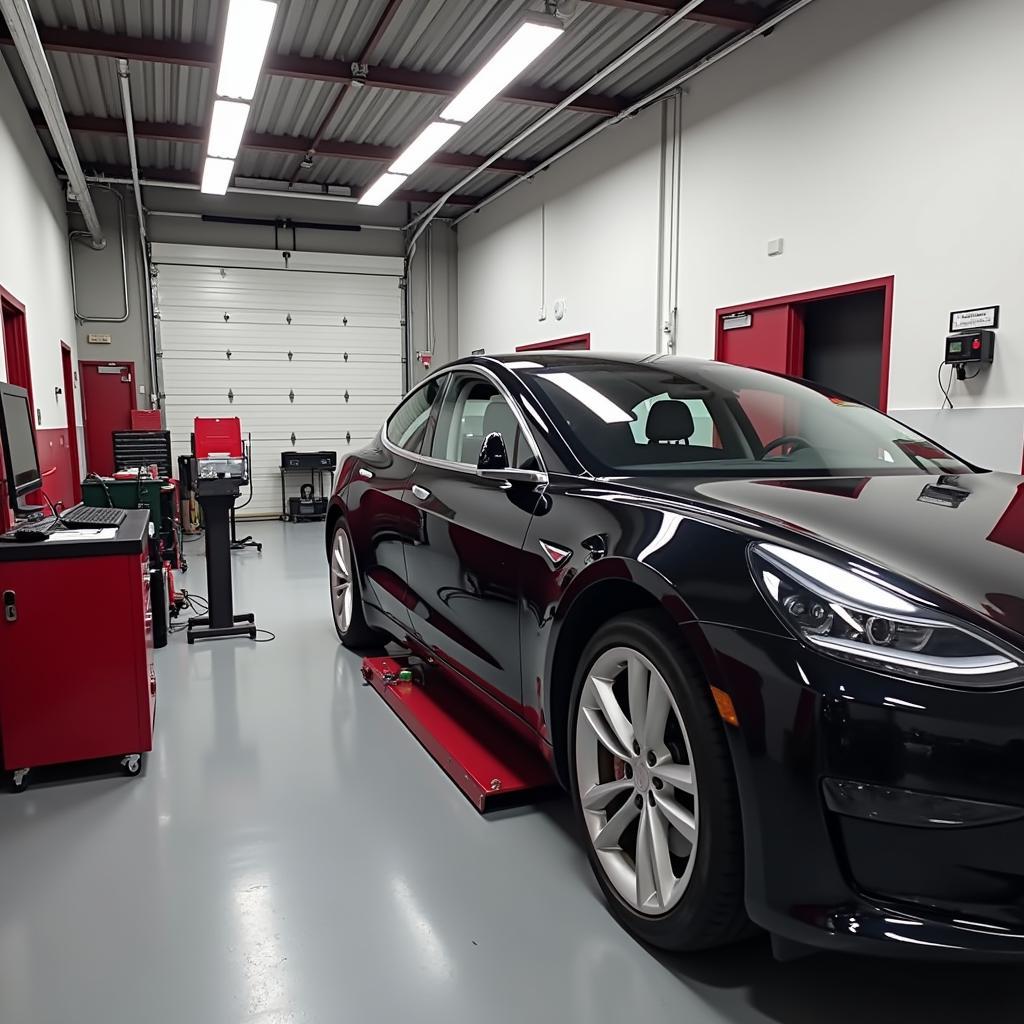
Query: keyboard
(86,517)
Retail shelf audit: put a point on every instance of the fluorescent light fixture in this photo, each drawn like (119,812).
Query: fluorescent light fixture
(226,128)
(424,146)
(381,189)
(523,47)
(246,35)
(217,175)
(589,396)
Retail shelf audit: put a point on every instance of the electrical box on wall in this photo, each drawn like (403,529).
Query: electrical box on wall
(969,347)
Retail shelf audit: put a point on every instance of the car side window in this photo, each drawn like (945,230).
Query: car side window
(472,408)
(408,423)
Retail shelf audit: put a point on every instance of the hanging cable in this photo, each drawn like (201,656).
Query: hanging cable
(945,390)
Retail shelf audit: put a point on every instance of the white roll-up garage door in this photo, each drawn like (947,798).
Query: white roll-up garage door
(307,351)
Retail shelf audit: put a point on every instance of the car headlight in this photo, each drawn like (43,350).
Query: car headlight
(851,616)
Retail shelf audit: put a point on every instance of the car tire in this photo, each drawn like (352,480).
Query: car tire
(683,889)
(346,595)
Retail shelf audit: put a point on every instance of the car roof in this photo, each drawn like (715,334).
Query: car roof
(555,357)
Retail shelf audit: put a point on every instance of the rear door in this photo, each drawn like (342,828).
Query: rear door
(465,566)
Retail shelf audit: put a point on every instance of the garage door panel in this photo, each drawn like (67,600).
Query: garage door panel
(313,374)
(345,338)
(239,314)
(272,289)
(276,338)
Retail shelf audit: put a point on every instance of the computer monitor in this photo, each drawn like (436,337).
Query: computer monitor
(18,440)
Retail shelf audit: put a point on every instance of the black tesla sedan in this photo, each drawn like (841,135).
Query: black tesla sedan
(771,640)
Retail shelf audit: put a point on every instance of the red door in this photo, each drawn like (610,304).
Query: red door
(108,397)
(769,339)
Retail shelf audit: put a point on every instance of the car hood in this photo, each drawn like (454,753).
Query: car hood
(961,537)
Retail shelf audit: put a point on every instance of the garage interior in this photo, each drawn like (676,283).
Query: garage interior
(809,187)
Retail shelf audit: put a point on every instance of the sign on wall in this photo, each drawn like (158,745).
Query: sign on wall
(974,319)
(733,321)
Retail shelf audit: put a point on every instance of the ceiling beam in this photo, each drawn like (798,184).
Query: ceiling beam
(171,51)
(173,176)
(385,19)
(195,135)
(724,13)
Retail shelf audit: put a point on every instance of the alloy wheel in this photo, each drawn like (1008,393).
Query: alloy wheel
(637,781)
(341,581)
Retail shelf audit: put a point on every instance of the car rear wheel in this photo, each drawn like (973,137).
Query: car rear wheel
(654,790)
(346,597)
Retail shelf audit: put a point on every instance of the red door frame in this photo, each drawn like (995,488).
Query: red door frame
(69,404)
(14,329)
(796,337)
(82,364)
(19,366)
(579,342)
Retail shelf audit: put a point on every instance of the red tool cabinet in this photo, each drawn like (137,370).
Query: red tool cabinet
(77,679)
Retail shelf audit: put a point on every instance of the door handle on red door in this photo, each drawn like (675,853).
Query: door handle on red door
(420,492)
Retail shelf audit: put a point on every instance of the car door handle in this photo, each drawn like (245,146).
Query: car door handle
(420,492)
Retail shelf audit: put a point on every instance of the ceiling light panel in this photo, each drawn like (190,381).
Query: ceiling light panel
(424,146)
(246,35)
(227,126)
(381,189)
(523,47)
(217,175)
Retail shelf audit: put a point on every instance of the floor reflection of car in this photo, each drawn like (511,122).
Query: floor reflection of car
(760,631)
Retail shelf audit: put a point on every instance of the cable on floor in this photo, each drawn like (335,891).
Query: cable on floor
(198,603)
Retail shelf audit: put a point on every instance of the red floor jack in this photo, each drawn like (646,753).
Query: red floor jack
(493,766)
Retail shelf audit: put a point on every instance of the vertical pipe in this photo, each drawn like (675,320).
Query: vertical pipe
(124,77)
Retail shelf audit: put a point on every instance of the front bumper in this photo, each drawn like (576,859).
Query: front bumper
(880,816)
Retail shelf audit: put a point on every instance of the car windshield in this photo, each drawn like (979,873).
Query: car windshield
(714,419)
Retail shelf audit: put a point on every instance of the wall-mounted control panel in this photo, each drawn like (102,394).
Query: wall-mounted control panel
(970,347)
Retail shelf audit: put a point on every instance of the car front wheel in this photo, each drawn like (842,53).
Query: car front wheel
(654,790)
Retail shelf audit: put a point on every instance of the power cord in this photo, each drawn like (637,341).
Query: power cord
(197,603)
(103,484)
(945,390)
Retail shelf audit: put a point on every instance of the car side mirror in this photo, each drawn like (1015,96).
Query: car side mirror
(493,464)
(493,453)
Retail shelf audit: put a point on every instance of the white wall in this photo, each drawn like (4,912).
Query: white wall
(432,300)
(876,139)
(598,211)
(33,257)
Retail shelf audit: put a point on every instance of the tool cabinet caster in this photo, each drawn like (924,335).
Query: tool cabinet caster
(18,780)
(131,764)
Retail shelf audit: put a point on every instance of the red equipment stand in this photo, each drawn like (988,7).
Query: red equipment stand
(492,765)
(77,680)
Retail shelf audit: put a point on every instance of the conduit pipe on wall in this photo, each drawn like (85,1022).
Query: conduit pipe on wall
(72,235)
(623,58)
(23,31)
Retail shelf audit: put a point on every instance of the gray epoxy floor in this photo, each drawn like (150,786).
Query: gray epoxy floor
(293,855)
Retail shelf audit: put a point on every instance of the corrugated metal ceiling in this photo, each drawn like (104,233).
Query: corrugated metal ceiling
(450,37)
